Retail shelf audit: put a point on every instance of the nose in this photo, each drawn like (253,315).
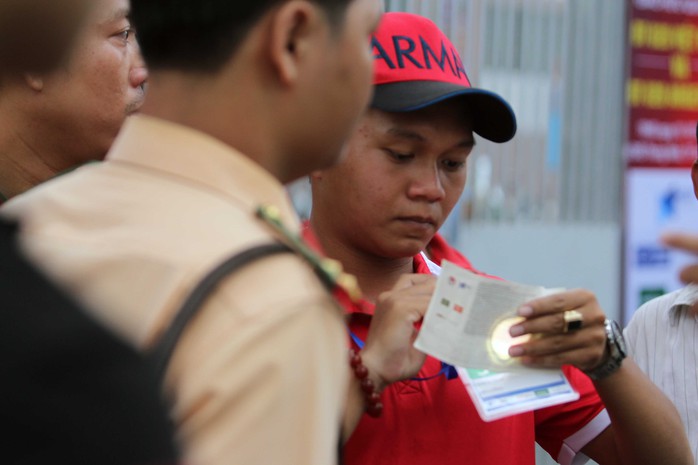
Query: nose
(427,185)
(138,74)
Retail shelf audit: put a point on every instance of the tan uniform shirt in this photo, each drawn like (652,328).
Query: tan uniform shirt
(260,375)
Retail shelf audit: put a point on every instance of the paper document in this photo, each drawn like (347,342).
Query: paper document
(467,325)
(501,394)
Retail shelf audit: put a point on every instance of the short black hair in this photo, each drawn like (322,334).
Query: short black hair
(201,35)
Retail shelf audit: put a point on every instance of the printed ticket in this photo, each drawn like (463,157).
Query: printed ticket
(467,325)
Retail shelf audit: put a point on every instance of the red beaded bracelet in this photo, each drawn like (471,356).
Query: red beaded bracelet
(374,406)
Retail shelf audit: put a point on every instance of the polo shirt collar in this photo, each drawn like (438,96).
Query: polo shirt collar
(423,265)
(685,298)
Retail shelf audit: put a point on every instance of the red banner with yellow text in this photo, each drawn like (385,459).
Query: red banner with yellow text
(662,85)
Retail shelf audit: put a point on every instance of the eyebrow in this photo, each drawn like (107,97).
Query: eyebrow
(119,14)
(411,135)
(406,134)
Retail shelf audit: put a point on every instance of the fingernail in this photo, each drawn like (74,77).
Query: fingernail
(515,351)
(516,330)
(525,311)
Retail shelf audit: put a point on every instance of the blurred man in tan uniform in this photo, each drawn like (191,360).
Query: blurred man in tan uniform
(243,97)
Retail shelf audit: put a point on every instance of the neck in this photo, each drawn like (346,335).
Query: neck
(35,147)
(23,165)
(213,104)
(375,274)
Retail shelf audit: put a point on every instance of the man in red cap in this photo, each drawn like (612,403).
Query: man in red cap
(377,212)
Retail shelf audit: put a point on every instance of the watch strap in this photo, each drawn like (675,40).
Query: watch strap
(615,352)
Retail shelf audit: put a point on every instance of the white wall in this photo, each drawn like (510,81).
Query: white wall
(567,255)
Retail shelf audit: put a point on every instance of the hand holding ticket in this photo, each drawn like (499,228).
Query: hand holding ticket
(467,325)
(468,320)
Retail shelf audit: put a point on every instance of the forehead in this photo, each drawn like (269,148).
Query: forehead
(105,18)
(108,11)
(451,117)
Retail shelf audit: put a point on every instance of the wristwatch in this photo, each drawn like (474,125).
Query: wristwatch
(615,352)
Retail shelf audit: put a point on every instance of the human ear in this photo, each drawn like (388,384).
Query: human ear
(293,29)
(35,82)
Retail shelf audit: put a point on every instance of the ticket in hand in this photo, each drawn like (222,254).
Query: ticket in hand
(467,325)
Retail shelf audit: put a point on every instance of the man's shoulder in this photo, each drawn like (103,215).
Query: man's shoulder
(655,316)
(661,305)
(51,192)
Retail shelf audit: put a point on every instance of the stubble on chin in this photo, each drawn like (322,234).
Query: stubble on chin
(136,103)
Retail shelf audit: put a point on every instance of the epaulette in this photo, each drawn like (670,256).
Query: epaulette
(330,271)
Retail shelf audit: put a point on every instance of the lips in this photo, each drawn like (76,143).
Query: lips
(417,226)
(424,220)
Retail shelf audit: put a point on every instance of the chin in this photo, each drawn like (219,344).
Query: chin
(405,248)
(132,111)
(134,106)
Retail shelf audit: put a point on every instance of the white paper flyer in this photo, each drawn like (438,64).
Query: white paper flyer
(467,325)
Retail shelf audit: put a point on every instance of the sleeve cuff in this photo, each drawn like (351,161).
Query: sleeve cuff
(569,452)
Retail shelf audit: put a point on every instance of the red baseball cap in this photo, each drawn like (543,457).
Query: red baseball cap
(417,66)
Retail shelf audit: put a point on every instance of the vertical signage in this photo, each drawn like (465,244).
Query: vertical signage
(660,146)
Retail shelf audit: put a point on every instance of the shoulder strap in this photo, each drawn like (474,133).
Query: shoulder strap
(164,348)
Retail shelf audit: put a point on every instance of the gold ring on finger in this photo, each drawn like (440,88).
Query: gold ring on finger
(573,321)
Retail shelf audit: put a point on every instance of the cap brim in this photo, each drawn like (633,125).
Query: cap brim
(493,118)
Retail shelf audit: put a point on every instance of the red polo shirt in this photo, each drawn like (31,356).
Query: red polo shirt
(434,422)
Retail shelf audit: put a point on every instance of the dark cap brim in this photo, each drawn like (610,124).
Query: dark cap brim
(493,118)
